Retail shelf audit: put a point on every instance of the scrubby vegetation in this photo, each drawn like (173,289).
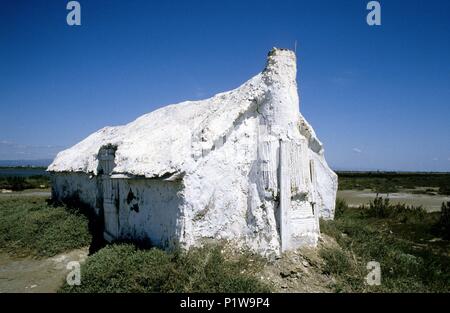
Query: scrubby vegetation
(341,207)
(388,182)
(444,220)
(30,226)
(404,240)
(382,208)
(19,183)
(126,268)
(412,247)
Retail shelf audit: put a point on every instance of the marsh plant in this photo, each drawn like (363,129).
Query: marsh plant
(341,207)
(382,208)
(444,219)
(401,238)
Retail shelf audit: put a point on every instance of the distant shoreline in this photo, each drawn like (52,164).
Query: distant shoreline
(389,172)
(38,163)
(43,164)
(23,167)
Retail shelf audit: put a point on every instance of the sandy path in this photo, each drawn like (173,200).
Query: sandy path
(36,275)
(429,202)
(26,193)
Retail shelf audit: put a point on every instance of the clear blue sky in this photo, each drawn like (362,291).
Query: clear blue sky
(378,97)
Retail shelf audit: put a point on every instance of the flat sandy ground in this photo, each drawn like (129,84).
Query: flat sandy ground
(30,274)
(26,193)
(19,274)
(430,203)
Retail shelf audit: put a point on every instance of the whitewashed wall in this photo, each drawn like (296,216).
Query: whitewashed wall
(148,209)
(66,185)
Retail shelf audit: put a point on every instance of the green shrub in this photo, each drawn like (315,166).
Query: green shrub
(16,183)
(336,261)
(379,208)
(399,240)
(341,207)
(444,219)
(125,268)
(19,183)
(382,208)
(342,265)
(329,227)
(31,226)
(385,187)
(444,190)
(388,182)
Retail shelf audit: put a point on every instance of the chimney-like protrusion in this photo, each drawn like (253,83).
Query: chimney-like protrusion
(281,108)
(280,62)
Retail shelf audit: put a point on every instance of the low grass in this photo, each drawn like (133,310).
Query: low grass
(19,183)
(444,220)
(388,182)
(30,226)
(340,208)
(126,268)
(402,239)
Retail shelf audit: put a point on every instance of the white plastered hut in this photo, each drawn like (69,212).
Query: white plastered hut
(242,166)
